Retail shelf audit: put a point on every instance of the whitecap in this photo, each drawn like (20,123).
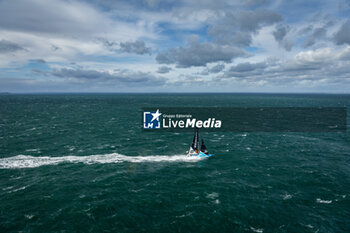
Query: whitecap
(259,230)
(212,195)
(33,150)
(18,189)
(319,200)
(287,196)
(184,215)
(28,216)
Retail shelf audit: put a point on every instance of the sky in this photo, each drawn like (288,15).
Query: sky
(175,46)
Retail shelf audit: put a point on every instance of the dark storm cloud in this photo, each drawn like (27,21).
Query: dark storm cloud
(163,69)
(236,28)
(198,54)
(8,47)
(138,47)
(101,76)
(343,35)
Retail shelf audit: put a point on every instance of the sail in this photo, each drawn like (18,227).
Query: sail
(204,148)
(195,142)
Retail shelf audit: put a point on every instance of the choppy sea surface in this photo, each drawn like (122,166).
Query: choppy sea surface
(81,163)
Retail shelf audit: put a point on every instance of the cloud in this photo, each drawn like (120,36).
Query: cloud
(345,54)
(8,47)
(198,54)
(67,31)
(40,61)
(108,44)
(96,76)
(64,18)
(252,42)
(138,47)
(237,28)
(281,32)
(317,34)
(254,20)
(311,60)
(163,69)
(213,70)
(319,67)
(217,68)
(255,2)
(280,36)
(246,69)
(343,35)
(48,16)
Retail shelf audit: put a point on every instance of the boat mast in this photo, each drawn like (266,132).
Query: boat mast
(195,142)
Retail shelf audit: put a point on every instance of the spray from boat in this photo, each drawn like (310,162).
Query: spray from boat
(28,161)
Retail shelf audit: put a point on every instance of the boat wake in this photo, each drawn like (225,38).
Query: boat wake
(27,161)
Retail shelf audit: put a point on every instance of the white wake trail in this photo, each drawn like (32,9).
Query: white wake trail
(27,161)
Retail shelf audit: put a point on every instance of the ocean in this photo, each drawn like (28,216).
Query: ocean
(81,163)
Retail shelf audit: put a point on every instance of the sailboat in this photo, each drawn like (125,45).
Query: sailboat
(194,149)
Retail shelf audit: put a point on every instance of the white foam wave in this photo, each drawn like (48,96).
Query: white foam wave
(319,200)
(27,161)
(257,229)
(287,196)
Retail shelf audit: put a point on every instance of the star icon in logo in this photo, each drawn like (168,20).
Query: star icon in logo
(156,115)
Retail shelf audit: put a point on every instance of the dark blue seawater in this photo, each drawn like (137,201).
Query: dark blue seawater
(80,163)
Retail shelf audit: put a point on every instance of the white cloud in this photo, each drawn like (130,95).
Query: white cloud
(72,27)
(273,46)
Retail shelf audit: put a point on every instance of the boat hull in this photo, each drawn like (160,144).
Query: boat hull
(201,155)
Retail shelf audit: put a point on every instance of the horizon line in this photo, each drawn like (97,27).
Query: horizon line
(316,93)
